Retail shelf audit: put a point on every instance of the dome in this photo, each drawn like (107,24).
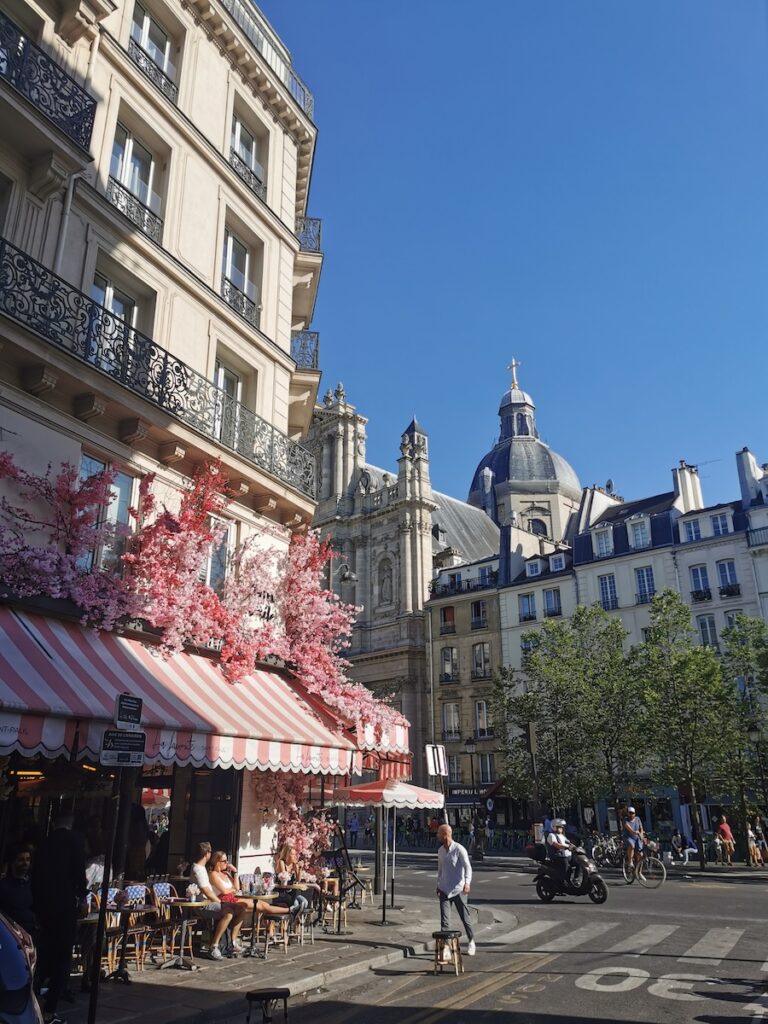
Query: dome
(525,461)
(515,397)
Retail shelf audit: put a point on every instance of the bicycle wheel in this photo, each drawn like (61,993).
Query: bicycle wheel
(628,872)
(652,873)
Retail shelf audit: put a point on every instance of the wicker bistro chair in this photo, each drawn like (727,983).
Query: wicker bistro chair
(138,931)
(166,927)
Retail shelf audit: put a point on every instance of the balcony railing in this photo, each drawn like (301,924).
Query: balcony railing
(704,594)
(449,677)
(484,734)
(154,73)
(451,734)
(730,590)
(251,179)
(609,604)
(481,673)
(133,208)
(246,17)
(463,586)
(447,627)
(42,302)
(480,623)
(552,613)
(305,349)
(240,302)
(757,537)
(39,79)
(527,616)
(308,232)
(645,598)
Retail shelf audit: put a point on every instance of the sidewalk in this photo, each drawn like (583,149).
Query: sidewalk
(215,993)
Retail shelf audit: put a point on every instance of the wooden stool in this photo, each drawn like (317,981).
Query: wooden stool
(267,998)
(447,940)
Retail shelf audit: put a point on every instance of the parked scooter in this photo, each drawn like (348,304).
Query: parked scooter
(18,1004)
(581,879)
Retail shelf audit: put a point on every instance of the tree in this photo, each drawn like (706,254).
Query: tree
(745,665)
(693,716)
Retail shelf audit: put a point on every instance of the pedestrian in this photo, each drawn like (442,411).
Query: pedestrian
(58,891)
(762,845)
(726,836)
(354,828)
(16,889)
(755,856)
(676,843)
(454,878)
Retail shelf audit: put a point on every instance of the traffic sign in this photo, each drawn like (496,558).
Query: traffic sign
(123,749)
(489,804)
(437,763)
(128,711)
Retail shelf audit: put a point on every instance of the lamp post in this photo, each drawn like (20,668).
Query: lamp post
(471,747)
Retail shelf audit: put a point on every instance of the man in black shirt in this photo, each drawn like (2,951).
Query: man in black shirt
(16,890)
(58,890)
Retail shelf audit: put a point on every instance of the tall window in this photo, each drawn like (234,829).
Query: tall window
(481,661)
(109,337)
(527,607)
(214,571)
(246,146)
(487,768)
(237,265)
(640,537)
(552,604)
(645,585)
(699,580)
(732,616)
(451,722)
(485,575)
(604,543)
(115,513)
(726,571)
(449,665)
(134,167)
(447,620)
(608,598)
(454,768)
(153,39)
(479,618)
(483,728)
(227,404)
(692,530)
(707,631)
(719,524)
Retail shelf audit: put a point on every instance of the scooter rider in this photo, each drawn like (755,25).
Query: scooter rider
(560,848)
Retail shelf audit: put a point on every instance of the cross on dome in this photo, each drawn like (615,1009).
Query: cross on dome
(513,368)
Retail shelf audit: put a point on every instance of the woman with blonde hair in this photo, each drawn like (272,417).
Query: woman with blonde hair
(220,873)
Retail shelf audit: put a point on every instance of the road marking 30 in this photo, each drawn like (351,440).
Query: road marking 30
(625,979)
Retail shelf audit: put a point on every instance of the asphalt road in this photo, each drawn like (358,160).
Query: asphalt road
(692,950)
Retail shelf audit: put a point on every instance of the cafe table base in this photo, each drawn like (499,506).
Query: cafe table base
(183,963)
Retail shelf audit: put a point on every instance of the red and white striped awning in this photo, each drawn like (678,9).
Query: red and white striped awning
(393,739)
(59,681)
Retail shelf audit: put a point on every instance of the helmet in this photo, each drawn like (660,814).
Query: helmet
(630,810)
(558,823)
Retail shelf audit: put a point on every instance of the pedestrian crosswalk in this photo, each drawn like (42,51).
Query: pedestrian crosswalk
(549,935)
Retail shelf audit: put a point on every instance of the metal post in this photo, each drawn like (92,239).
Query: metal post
(394,845)
(386,851)
(378,848)
(102,923)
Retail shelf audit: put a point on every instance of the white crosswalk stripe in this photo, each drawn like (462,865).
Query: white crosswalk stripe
(528,931)
(711,949)
(575,938)
(643,940)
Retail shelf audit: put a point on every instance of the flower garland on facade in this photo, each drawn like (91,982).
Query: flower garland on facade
(282,794)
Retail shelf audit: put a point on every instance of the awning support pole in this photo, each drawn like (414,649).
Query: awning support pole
(386,853)
(394,844)
(104,896)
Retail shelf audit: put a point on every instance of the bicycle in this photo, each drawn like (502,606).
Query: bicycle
(650,872)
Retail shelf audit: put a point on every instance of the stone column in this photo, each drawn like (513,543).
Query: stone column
(338,463)
(327,462)
(406,529)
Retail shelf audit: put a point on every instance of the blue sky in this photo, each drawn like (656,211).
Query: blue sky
(579,183)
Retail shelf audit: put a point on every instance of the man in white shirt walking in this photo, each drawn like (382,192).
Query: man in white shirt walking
(454,877)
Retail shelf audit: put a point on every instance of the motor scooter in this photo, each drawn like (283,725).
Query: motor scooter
(18,1004)
(581,878)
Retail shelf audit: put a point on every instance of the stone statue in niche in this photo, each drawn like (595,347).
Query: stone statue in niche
(405,445)
(385,581)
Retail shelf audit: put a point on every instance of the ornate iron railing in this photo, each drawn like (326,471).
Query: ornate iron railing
(254,183)
(133,208)
(240,302)
(56,311)
(305,349)
(40,80)
(309,232)
(246,17)
(154,73)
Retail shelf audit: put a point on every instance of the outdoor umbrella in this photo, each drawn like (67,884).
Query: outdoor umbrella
(394,794)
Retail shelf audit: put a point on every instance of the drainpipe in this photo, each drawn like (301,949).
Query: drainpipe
(91,61)
(64,222)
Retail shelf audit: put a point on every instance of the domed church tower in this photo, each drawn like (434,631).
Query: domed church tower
(521,481)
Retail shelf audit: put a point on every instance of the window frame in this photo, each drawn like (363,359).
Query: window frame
(699,577)
(481,667)
(452,675)
(96,559)
(482,732)
(603,540)
(718,520)
(254,164)
(692,528)
(645,593)
(557,563)
(533,569)
(643,525)
(149,20)
(610,602)
(557,606)
(706,635)
(528,599)
(727,582)
(451,733)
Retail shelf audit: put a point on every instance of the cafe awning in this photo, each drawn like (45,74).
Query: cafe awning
(59,681)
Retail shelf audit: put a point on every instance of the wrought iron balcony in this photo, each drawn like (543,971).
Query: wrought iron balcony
(462,587)
(251,179)
(484,734)
(449,677)
(247,18)
(480,623)
(153,71)
(527,617)
(552,613)
(305,349)
(451,734)
(132,207)
(39,79)
(730,590)
(758,537)
(240,302)
(704,594)
(645,598)
(447,627)
(609,604)
(67,318)
(481,673)
(308,232)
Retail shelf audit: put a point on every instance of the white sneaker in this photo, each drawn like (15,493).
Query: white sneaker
(447,956)
(471,948)
(215,953)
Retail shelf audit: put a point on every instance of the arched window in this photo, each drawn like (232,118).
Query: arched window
(385,581)
(538,526)
(522,424)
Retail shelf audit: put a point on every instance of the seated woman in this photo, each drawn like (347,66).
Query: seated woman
(287,864)
(215,911)
(220,873)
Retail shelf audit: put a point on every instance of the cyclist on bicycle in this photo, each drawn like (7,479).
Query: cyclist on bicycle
(633,841)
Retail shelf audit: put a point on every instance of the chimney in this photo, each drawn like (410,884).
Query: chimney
(688,496)
(750,477)
(505,556)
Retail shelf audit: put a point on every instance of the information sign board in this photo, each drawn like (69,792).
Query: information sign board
(123,749)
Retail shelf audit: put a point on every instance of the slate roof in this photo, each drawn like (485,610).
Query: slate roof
(648,506)
(468,529)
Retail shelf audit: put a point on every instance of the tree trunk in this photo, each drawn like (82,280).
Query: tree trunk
(696,819)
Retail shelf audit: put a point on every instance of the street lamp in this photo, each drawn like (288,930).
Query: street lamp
(471,748)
